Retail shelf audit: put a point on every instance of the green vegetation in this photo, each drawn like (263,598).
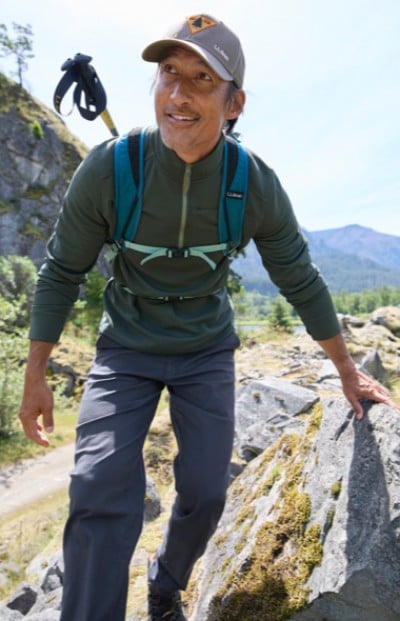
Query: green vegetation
(17,282)
(280,315)
(88,310)
(20,46)
(5,207)
(270,584)
(367,301)
(28,532)
(36,129)
(17,278)
(253,307)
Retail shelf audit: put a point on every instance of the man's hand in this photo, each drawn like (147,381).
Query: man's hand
(356,385)
(37,400)
(359,386)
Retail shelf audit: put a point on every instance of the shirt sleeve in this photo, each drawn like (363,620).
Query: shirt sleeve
(82,228)
(285,255)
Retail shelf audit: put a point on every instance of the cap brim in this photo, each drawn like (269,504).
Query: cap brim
(156,51)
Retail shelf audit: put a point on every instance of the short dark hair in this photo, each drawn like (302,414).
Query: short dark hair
(231,93)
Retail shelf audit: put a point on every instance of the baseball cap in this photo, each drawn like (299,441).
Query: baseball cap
(209,38)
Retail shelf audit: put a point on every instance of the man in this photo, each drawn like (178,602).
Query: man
(167,322)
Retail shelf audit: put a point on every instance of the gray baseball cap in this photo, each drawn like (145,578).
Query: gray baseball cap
(209,38)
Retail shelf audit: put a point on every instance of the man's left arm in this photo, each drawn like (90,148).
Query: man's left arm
(355,384)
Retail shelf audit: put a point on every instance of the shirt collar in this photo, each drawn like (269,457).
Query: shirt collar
(169,160)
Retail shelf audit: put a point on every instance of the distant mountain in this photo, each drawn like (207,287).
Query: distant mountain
(351,258)
(359,240)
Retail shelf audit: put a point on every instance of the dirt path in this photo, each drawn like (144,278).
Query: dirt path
(30,480)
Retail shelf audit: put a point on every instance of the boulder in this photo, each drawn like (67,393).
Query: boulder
(311,529)
(389,317)
(266,409)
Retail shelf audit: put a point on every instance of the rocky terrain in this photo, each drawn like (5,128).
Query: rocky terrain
(311,527)
(37,159)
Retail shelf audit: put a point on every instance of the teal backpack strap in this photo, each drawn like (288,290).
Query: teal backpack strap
(233,198)
(129,183)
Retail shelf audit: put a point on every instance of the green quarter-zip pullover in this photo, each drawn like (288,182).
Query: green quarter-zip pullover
(143,305)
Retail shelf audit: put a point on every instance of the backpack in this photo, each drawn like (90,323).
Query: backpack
(129,184)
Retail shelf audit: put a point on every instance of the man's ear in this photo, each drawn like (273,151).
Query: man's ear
(236,105)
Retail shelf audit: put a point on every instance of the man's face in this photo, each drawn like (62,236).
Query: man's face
(191,104)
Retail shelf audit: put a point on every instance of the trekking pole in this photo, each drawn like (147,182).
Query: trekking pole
(88,87)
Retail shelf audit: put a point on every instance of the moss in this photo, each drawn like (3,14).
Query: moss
(246,512)
(336,488)
(35,192)
(272,479)
(314,420)
(329,520)
(271,583)
(36,129)
(220,540)
(29,230)
(5,207)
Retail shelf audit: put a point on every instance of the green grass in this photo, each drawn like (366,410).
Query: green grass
(24,534)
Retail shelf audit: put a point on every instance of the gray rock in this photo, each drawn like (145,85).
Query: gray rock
(50,601)
(53,578)
(372,365)
(23,599)
(45,615)
(265,410)
(39,567)
(152,502)
(35,175)
(359,575)
(6,614)
(350,472)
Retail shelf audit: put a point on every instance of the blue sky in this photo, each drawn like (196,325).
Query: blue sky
(322,84)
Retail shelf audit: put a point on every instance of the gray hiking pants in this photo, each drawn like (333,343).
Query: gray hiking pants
(108,481)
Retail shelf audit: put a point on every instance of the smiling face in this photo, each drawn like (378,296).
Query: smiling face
(192,104)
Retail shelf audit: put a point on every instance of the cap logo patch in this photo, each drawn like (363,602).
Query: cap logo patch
(197,23)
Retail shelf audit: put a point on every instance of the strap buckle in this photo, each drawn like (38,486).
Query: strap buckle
(178,253)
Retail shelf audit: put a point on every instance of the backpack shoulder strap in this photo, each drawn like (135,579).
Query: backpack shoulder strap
(234,193)
(129,183)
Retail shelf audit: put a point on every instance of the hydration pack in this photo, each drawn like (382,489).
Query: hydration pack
(129,184)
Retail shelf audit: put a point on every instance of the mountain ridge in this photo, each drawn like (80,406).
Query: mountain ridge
(370,244)
(351,258)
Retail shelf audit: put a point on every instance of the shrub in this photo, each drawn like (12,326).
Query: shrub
(17,283)
(36,130)
(13,349)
